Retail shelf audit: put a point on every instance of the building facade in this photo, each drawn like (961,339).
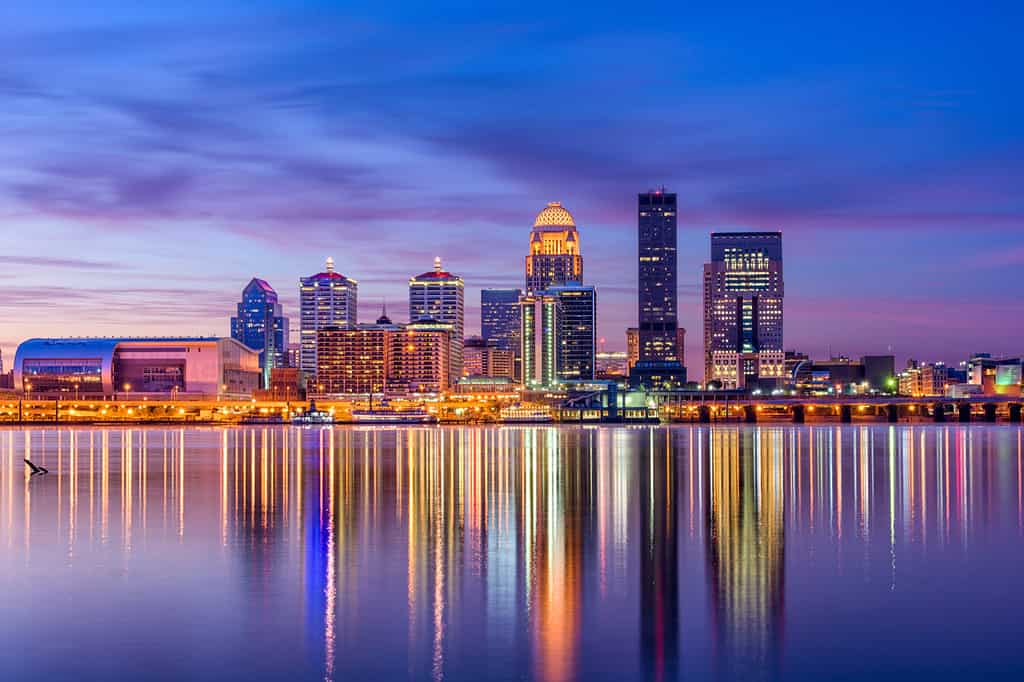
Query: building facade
(383,358)
(260,325)
(559,335)
(743,309)
(483,358)
(499,317)
(657,318)
(539,322)
(419,358)
(354,359)
(326,299)
(555,257)
(577,331)
(440,296)
(199,366)
(632,346)
(925,379)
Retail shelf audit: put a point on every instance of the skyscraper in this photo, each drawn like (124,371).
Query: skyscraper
(577,331)
(500,323)
(743,292)
(326,299)
(554,250)
(559,335)
(260,325)
(499,317)
(539,339)
(439,295)
(656,221)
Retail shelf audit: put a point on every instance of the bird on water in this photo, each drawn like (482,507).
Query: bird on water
(36,469)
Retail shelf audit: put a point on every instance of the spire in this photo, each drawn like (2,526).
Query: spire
(330,264)
(437,264)
(384,319)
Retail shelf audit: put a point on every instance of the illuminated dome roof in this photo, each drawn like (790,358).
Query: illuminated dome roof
(554,216)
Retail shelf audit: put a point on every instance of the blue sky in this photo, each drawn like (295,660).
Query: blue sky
(153,159)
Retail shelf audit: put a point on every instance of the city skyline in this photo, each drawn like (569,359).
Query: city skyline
(148,212)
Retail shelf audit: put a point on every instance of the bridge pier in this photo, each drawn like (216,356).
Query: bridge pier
(990,412)
(938,413)
(963,413)
(1015,409)
(750,414)
(845,414)
(892,413)
(798,414)
(704,414)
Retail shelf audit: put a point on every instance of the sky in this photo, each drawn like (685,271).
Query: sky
(154,159)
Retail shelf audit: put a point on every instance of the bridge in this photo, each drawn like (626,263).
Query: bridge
(706,407)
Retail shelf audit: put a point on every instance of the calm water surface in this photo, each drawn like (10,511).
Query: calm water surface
(548,553)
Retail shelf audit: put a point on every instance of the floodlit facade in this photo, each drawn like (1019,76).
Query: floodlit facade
(440,296)
(555,256)
(260,325)
(326,299)
(201,366)
(383,358)
(657,317)
(539,338)
(419,360)
(354,360)
(743,310)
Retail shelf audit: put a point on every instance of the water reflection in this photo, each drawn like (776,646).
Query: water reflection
(544,553)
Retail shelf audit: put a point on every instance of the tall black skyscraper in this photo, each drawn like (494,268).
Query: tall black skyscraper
(657,319)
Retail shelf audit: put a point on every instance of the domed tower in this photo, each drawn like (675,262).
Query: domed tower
(554,250)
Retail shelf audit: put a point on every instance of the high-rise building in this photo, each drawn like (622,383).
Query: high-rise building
(260,325)
(419,358)
(500,322)
(354,360)
(327,299)
(439,295)
(577,331)
(554,250)
(483,358)
(656,222)
(499,317)
(743,294)
(383,357)
(559,335)
(539,339)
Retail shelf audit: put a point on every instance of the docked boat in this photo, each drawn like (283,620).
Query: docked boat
(384,413)
(526,414)
(313,416)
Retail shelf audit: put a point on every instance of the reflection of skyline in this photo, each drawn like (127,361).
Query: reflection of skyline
(479,551)
(745,538)
(659,561)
